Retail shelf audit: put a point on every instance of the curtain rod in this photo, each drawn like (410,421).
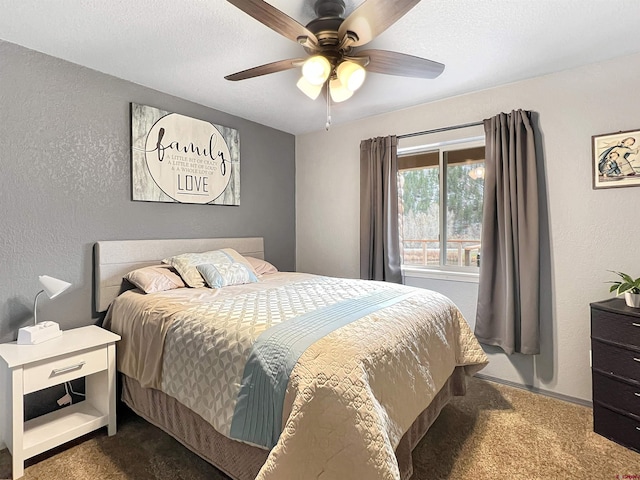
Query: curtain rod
(436,130)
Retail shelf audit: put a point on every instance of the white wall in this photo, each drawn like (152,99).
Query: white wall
(586,232)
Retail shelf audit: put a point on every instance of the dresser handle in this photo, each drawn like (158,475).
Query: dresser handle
(637,394)
(636,324)
(636,359)
(58,371)
(637,428)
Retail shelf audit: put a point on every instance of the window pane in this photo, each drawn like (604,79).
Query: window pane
(419,211)
(464,192)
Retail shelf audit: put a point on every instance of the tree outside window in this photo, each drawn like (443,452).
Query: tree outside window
(440,205)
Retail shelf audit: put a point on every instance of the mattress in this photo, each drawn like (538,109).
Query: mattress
(374,355)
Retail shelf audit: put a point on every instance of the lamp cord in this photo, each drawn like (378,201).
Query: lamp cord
(70,388)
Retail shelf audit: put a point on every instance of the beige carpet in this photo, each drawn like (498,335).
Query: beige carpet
(495,432)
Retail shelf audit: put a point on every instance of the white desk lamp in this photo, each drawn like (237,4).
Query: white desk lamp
(41,332)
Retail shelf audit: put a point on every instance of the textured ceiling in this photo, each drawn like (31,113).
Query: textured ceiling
(186,47)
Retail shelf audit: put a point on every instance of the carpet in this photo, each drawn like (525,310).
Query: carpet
(494,432)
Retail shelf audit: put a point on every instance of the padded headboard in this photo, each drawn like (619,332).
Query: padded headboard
(115,258)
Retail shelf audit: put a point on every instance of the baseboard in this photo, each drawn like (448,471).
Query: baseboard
(546,393)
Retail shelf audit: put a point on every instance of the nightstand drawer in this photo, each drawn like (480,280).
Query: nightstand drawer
(615,360)
(616,393)
(623,329)
(63,369)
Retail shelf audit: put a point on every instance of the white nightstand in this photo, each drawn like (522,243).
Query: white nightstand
(82,352)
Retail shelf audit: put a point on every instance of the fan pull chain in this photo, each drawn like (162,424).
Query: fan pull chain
(328,124)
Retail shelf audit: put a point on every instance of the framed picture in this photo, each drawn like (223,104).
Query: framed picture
(180,159)
(616,159)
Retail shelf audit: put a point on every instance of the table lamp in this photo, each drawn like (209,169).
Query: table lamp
(41,332)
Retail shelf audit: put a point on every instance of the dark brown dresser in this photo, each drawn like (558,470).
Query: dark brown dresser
(615,349)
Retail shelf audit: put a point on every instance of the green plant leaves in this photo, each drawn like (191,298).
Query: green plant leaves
(627,284)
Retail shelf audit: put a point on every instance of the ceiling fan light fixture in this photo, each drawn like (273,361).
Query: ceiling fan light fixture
(316,69)
(339,93)
(351,75)
(310,90)
(477,172)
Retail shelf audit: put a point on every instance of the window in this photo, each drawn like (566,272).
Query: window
(440,189)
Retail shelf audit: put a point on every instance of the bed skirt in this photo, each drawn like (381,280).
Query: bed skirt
(241,461)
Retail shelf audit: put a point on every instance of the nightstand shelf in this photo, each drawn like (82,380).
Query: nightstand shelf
(82,352)
(55,428)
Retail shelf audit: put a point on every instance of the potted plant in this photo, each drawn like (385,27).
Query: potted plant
(628,286)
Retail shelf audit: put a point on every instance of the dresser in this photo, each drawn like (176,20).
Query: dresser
(615,349)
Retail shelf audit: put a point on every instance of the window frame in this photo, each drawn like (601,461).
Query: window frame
(442,271)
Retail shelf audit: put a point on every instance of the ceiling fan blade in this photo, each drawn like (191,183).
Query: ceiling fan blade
(266,69)
(373,17)
(394,63)
(274,19)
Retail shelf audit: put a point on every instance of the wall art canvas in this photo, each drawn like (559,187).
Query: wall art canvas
(179,159)
(616,159)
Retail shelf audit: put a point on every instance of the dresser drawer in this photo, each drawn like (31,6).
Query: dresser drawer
(63,369)
(615,327)
(615,360)
(616,427)
(617,394)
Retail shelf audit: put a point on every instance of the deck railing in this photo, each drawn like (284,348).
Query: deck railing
(419,252)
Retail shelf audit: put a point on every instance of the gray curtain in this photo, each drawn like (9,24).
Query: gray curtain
(508,293)
(379,240)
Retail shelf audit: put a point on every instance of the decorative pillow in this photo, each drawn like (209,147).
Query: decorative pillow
(226,274)
(186,264)
(156,278)
(261,267)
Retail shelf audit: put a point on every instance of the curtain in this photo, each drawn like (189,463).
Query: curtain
(508,291)
(379,240)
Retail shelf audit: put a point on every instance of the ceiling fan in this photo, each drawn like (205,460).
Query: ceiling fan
(332,42)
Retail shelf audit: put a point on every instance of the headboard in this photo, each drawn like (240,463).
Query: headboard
(115,258)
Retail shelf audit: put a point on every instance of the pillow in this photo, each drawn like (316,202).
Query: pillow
(156,278)
(186,264)
(261,267)
(226,274)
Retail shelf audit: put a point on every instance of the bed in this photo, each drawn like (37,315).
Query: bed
(280,375)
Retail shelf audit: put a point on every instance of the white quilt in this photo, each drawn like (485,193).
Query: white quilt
(352,394)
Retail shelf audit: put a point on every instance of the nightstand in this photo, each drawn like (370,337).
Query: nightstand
(81,352)
(615,349)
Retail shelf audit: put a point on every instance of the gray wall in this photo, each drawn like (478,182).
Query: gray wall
(65,183)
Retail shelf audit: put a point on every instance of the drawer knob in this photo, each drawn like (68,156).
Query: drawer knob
(58,371)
